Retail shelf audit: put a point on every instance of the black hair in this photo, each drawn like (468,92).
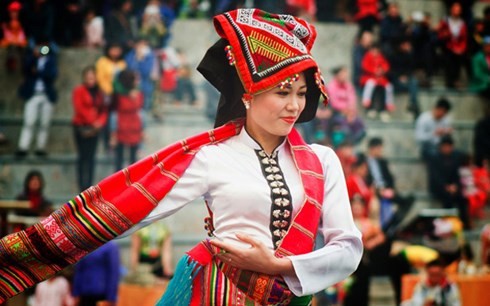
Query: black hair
(486,11)
(446,140)
(443,103)
(467,251)
(336,70)
(375,142)
(360,159)
(30,175)
(111,45)
(127,78)
(438,262)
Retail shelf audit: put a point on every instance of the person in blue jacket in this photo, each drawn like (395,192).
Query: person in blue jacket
(97,276)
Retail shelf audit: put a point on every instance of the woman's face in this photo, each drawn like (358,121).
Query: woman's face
(114,52)
(89,78)
(34,184)
(274,112)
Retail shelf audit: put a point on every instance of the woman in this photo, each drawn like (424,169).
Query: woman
(127,133)
(90,116)
(33,192)
(267,190)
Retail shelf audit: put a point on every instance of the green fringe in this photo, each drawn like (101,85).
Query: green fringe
(179,290)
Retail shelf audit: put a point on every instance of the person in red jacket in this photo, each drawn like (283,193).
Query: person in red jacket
(90,116)
(127,132)
(375,68)
(357,183)
(452,32)
(367,15)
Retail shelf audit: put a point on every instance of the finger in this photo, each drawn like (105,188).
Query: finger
(248,239)
(229,248)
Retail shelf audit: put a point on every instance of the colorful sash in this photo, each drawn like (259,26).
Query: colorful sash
(107,210)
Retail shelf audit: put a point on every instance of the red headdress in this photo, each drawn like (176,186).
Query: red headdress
(258,50)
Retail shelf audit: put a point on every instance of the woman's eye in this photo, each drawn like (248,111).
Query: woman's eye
(302,94)
(283,93)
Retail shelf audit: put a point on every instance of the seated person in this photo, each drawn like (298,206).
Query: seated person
(152,247)
(33,192)
(436,289)
(375,69)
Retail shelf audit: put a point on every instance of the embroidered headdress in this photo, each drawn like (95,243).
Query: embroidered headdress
(256,52)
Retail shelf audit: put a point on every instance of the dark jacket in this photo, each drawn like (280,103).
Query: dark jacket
(401,64)
(32,74)
(388,177)
(443,171)
(481,140)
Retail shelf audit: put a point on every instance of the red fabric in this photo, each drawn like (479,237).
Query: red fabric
(87,110)
(367,8)
(478,199)
(308,6)
(374,66)
(35,199)
(456,44)
(357,185)
(129,121)
(267,48)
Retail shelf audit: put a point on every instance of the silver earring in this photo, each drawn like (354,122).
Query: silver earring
(247,104)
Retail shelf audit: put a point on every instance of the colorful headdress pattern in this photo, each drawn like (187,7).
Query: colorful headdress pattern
(267,48)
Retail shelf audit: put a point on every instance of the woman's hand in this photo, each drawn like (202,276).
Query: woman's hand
(257,258)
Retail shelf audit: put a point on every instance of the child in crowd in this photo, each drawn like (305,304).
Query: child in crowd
(127,130)
(375,69)
(341,91)
(53,292)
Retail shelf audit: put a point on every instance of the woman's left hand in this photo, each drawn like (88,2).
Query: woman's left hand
(257,258)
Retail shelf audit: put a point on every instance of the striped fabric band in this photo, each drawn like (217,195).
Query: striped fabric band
(97,215)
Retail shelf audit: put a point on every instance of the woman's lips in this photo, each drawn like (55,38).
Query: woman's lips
(290,120)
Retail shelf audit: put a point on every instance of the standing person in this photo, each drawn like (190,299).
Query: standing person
(40,70)
(97,276)
(53,292)
(431,125)
(254,159)
(89,118)
(128,130)
(107,68)
(367,15)
(392,29)
(436,289)
(453,34)
(142,61)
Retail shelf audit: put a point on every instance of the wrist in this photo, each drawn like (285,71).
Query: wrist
(282,266)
